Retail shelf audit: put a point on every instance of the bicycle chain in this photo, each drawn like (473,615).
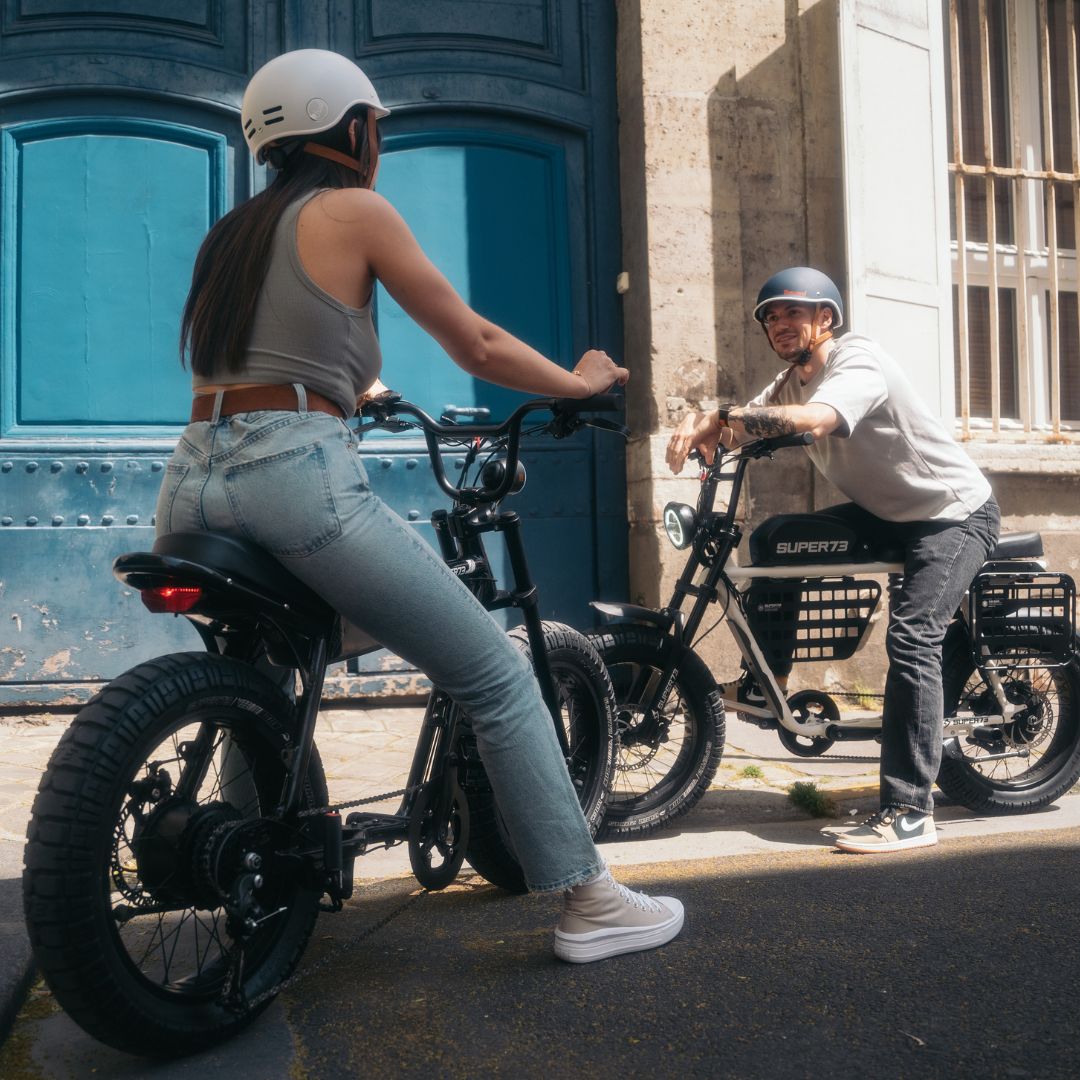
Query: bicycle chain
(855,759)
(335,807)
(236,962)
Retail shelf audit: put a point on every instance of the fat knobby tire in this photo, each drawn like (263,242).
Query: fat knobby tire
(627,648)
(76,939)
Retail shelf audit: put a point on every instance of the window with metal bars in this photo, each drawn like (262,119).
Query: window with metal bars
(1014,144)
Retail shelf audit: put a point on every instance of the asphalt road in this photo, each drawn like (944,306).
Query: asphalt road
(955,961)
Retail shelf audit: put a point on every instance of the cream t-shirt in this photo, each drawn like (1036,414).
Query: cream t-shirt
(890,454)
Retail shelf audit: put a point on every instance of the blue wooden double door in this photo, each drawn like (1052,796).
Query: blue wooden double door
(120,146)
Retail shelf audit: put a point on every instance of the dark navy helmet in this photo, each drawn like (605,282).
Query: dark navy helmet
(800,283)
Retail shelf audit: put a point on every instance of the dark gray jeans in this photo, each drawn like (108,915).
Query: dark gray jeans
(941,559)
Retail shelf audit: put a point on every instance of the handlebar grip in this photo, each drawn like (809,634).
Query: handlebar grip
(596,403)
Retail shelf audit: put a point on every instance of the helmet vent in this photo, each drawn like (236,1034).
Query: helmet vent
(249,125)
(273,109)
(273,120)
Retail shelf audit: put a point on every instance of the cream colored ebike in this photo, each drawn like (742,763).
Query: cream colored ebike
(1010,669)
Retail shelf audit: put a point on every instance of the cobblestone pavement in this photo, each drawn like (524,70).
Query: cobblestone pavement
(368,751)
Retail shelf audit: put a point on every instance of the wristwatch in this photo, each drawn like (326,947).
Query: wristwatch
(723,412)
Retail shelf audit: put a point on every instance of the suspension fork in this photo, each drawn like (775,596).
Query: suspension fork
(459,538)
(683,630)
(432,752)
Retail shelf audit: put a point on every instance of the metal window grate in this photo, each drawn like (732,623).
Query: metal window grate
(1015,163)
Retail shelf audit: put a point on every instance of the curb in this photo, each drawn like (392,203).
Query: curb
(14,997)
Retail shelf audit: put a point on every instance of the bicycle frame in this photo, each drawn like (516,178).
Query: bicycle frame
(715,537)
(245,605)
(460,531)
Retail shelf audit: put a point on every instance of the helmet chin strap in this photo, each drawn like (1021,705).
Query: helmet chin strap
(365,166)
(804,356)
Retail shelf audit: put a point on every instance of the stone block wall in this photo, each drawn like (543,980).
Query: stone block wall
(730,168)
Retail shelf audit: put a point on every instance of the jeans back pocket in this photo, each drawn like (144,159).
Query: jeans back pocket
(175,473)
(284,502)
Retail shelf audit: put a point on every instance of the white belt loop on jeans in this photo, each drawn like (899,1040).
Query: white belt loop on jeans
(301,397)
(217,406)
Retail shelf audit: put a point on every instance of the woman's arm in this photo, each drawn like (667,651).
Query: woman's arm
(392,255)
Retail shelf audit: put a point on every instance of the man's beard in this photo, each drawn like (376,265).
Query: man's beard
(798,353)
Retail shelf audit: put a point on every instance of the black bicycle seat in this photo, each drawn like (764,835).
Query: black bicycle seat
(242,559)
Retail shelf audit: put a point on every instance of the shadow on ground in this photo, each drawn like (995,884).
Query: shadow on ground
(956,961)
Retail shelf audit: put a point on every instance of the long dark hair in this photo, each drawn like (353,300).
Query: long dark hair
(233,258)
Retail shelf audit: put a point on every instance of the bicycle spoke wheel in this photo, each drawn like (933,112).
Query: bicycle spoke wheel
(1024,762)
(586,712)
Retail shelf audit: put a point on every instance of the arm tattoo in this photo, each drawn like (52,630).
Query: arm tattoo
(766,423)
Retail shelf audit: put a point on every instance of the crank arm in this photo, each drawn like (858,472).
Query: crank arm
(756,711)
(364,829)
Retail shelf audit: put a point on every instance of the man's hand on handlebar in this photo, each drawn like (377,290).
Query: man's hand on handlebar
(698,431)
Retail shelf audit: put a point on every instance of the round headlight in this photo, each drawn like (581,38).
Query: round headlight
(680,524)
(491,476)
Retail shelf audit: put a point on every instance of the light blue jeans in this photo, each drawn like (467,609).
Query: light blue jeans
(293,483)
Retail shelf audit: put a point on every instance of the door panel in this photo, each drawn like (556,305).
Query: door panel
(492,216)
(896,186)
(119,146)
(111,214)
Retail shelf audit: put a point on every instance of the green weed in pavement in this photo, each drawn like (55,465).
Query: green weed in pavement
(805,795)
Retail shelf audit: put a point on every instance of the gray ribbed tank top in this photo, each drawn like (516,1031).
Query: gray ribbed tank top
(300,333)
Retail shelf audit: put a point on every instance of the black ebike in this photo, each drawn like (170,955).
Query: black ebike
(181,843)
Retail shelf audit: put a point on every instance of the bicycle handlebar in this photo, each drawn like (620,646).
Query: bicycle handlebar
(781,442)
(756,449)
(384,408)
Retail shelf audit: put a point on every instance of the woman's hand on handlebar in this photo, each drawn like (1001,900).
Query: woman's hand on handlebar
(698,431)
(598,373)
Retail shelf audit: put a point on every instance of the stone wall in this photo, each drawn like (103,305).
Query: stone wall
(730,167)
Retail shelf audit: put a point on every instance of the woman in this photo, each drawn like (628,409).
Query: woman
(279,331)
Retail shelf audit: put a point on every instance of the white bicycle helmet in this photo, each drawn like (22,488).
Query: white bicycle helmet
(302,93)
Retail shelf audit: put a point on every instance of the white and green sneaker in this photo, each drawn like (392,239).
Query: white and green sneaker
(892,828)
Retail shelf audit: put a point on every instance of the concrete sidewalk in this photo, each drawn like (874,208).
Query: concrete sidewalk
(747,814)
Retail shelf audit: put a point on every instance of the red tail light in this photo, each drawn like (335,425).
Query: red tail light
(171,599)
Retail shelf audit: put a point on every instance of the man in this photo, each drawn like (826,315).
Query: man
(907,480)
